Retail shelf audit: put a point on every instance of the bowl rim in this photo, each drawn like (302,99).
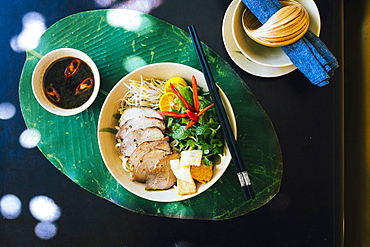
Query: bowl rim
(39,73)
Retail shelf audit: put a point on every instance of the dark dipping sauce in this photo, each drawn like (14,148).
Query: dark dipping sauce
(68,91)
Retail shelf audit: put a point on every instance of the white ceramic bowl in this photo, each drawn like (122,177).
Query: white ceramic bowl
(39,73)
(107,120)
(263,55)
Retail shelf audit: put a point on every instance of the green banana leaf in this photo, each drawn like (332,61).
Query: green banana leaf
(120,41)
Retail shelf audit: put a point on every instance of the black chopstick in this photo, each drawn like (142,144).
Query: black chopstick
(221,113)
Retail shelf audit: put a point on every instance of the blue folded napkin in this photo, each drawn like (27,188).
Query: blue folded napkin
(309,54)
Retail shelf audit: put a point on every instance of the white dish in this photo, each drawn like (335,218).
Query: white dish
(250,66)
(38,80)
(107,140)
(263,55)
(238,58)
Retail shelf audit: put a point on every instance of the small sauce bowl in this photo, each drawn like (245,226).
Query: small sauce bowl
(59,75)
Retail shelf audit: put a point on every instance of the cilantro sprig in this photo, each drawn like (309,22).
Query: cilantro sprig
(205,135)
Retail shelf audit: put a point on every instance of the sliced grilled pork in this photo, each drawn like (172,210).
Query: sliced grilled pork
(144,143)
(138,112)
(139,123)
(145,147)
(134,138)
(161,176)
(147,163)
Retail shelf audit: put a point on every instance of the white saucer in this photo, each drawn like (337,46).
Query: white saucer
(239,58)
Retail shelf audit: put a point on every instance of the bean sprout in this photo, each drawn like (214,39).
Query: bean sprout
(145,92)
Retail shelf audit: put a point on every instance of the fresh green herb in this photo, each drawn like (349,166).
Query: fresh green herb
(204,135)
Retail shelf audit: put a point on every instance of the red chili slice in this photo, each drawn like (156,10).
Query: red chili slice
(72,67)
(205,109)
(191,123)
(52,94)
(187,105)
(193,116)
(84,85)
(173,114)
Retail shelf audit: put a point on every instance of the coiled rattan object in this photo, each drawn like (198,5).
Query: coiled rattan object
(285,27)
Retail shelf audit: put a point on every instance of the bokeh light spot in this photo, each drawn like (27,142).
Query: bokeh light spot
(46,230)
(10,206)
(104,3)
(33,27)
(133,62)
(44,209)
(130,21)
(7,110)
(145,6)
(29,138)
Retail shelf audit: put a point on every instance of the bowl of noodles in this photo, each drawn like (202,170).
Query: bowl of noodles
(151,77)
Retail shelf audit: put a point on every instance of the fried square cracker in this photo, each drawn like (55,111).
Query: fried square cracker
(202,173)
(185,188)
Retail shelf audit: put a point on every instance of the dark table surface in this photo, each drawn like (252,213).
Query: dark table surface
(308,210)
